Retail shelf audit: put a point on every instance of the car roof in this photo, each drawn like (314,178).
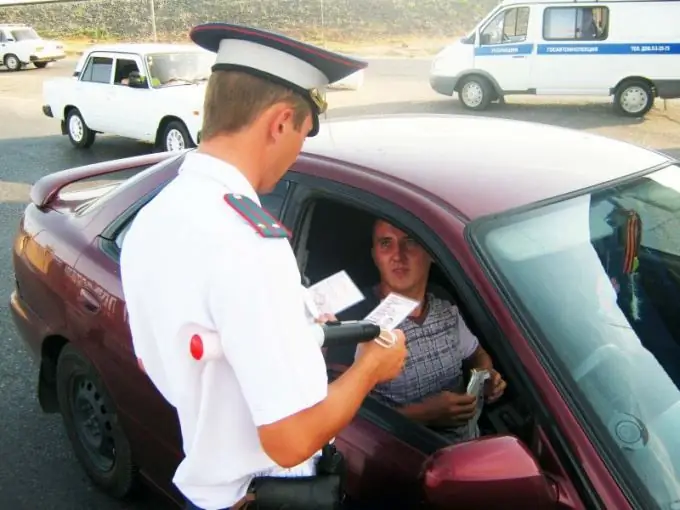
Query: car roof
(146,48)
(480,165)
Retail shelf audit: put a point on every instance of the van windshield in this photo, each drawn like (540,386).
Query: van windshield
(596,279)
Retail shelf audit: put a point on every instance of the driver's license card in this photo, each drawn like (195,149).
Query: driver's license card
(334,294)
(392,311)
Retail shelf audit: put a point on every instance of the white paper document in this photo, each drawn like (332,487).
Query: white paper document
(333,294)
(392,311)
(476,387)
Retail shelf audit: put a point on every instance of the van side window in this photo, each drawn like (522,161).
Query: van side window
(575,23)
(508,27)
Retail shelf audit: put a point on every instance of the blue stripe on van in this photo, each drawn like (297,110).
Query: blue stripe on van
(579,49)
(504,49)
(609,49)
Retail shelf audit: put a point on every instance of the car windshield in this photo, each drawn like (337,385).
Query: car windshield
(24,34)
(596,279)
(181,68)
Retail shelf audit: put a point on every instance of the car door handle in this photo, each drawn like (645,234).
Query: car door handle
(89,302)
(519,56)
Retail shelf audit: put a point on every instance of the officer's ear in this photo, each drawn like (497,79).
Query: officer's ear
(280,120)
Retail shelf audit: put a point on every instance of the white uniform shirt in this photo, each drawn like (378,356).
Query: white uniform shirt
(190,258)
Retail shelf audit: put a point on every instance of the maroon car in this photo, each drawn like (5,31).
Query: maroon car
(561,248)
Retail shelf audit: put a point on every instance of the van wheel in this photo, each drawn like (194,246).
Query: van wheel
(475,93)
(634,98)
(80,135)
(12,62)
(92,425)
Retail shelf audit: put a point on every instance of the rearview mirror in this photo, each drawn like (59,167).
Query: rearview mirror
(494,472)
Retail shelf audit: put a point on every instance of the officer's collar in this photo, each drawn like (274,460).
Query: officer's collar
(199,163)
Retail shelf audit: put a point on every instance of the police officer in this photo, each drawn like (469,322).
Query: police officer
(214,295)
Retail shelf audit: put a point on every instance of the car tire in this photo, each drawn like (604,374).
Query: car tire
(634,98)
(92,425)
(475,92)
(40,65)
(80,135)
(12,62)
(175,137)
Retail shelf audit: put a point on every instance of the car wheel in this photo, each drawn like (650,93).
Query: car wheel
(175,137)
(475,93)
(12,62)
(634,98)
(92,425)
(80,135)
(40,65)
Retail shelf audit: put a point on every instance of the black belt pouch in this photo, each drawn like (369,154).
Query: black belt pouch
(325,491)
(300,493)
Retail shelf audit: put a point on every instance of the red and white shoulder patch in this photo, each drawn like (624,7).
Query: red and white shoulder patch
(262,222)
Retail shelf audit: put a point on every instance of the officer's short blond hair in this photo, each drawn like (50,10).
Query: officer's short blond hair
(234,99)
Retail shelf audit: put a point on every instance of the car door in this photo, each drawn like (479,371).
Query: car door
(93,92)
(128,104)
(504,50)
(384,451)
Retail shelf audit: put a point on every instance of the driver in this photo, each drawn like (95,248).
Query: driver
(431,387)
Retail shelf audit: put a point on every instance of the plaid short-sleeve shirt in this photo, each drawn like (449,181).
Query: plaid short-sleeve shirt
(437,345)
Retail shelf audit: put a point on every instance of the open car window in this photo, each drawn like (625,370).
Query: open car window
(597,278)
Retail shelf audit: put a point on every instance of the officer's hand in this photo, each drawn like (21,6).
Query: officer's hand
(324,318)
(387,363)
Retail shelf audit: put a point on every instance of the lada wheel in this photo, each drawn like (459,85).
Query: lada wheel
(40,65)
(475,92)
(175,137)
(634,98)
(80,135)
(12,62)
(92,425)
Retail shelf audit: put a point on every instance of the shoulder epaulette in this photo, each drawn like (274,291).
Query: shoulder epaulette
(264,223)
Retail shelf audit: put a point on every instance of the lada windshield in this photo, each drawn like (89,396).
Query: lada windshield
(181,68)
(595,279)
(24,34)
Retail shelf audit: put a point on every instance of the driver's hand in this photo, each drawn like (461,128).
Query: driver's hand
(494,387)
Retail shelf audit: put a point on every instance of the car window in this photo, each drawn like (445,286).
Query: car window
(272,202)
(24,34)
(98,70)
(509,26)
(124,67)
(597,278)
(575,23)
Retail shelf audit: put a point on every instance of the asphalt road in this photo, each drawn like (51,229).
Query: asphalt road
(37,468)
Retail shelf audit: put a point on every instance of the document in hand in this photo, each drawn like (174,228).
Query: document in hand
(332,295)
(476,387)
(392,311)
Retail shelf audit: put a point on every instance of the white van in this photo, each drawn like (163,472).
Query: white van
(629,49)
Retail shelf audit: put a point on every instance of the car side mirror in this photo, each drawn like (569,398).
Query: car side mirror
(494,472)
